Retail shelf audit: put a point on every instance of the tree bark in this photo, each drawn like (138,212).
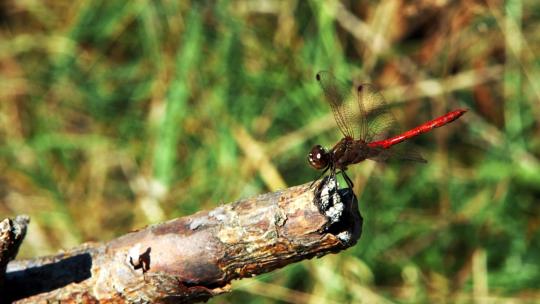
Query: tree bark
(12,232)
(193,258)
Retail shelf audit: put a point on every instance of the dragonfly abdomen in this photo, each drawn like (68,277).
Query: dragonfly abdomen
(423,128)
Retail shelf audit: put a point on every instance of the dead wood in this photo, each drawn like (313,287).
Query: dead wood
(193,258)
(12,232)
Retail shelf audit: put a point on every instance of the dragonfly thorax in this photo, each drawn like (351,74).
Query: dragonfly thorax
(349,151)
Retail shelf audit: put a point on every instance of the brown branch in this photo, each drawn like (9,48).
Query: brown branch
(12,232)
(193,258)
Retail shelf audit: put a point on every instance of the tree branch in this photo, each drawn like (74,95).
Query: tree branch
(193,258)
(12,232)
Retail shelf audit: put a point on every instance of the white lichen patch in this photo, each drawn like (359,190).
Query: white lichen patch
(198,222)
(344,236)
(279,217)
(219,214)
(334,213)
(330,201)
(133,255)
(329,194)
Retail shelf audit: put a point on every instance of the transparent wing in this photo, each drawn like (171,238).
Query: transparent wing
(401,151)
(378,121)
(340,95)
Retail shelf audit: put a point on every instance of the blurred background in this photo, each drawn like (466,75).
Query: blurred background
(119,114)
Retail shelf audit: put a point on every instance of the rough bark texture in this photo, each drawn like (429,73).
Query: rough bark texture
(12,232)
(193,258)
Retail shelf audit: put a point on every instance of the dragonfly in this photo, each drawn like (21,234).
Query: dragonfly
(367,125)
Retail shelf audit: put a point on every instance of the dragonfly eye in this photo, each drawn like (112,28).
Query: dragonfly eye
(318,157)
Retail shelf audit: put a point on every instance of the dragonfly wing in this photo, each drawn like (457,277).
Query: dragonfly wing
(378,121)
(401,151)
(340,95)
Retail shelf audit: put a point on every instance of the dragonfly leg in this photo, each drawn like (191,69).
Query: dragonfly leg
(350,184)
(324,171)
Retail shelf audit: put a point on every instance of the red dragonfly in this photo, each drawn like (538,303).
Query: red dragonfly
(365,121)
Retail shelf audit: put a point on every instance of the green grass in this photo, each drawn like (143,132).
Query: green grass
(114,115)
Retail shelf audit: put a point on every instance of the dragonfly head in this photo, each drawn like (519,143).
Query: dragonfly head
(318,157)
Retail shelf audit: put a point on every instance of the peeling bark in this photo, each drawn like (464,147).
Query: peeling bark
(12,232)
(193,258)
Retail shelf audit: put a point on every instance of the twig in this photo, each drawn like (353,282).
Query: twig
(12,232)
(193,258)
